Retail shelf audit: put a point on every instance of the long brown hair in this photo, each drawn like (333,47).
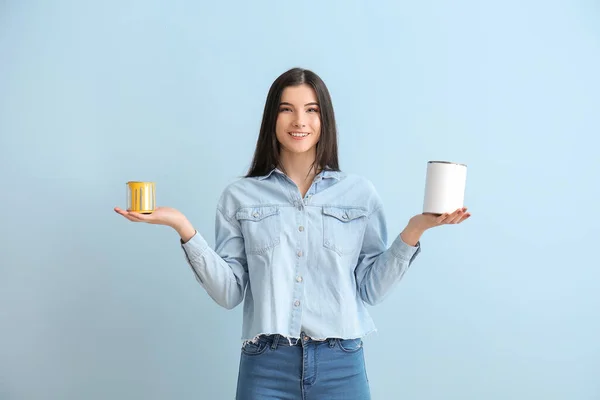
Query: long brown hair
(267,152)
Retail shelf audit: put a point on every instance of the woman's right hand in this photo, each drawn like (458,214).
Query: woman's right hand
(162,216)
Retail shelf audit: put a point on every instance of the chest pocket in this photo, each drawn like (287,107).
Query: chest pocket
(343,229)
(261,227)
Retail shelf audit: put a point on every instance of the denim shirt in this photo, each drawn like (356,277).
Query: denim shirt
(307,264)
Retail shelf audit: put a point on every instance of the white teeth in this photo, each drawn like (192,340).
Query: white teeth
(298,134)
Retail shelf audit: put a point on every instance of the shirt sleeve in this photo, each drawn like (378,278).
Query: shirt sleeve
(380,268)
(222,272)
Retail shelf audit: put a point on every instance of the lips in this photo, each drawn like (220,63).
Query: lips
(298,135)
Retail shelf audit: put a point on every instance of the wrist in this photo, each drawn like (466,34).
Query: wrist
(184,229)
(411,235)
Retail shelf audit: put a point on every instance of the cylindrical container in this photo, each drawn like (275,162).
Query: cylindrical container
(444,187)
(141,197)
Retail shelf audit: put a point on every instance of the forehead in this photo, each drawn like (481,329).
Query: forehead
(299,94)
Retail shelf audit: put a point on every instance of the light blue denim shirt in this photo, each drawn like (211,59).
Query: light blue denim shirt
(307,264)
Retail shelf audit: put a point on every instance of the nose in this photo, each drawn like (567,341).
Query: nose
(298,124)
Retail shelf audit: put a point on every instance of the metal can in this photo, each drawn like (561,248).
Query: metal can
(444,187)
(141,197)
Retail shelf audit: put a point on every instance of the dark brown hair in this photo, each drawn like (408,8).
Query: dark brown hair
(266,154)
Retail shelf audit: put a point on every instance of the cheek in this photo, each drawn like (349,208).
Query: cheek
(316,124)
(280,125)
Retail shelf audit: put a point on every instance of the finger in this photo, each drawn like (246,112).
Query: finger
(465,217)
(459,217)
(464,213)
(442,218)
(128,214)
(453,218)
(120,211)
(139,216)
(132,218)
(460,213)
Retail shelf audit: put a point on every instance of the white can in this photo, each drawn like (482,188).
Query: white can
(444,187)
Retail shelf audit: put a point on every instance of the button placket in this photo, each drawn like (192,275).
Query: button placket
(298,294)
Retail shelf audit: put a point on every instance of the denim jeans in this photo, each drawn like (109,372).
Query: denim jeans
(273,368)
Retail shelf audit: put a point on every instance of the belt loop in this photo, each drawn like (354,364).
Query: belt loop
(331,342)
(275,341)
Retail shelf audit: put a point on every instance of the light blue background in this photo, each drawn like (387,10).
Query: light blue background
(506,306)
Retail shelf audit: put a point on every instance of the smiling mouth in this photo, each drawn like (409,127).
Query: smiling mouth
(298,134)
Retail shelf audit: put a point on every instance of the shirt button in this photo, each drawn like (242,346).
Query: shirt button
(299,279)
(297,303)
(255,215)
(300,228)
(299,254)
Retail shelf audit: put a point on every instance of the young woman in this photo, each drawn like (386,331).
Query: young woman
(304,245)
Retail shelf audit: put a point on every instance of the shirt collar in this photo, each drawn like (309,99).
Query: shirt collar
(330,174)
(260,178)
(323,174)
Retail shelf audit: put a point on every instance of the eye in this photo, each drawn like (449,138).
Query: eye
(282,109)
(313,109)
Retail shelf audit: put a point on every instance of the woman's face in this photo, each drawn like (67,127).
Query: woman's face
(298,126)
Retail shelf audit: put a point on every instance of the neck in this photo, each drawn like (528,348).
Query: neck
(299,167)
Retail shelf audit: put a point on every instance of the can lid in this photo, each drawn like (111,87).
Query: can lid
(446,162)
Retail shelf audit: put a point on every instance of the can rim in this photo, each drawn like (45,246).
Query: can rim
(446,162)
(139,182)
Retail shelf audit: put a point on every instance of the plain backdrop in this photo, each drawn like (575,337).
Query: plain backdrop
(93,94)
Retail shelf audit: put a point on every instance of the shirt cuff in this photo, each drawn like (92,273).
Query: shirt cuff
(404,251)
(195,247)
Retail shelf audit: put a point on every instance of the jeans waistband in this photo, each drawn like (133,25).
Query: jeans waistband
(275,340)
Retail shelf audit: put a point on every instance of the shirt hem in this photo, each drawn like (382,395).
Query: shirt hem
(291,338)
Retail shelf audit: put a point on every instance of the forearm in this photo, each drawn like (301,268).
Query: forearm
(224,279)
(383,272)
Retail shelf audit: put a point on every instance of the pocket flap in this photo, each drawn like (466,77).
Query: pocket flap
(256,213)
(344,214)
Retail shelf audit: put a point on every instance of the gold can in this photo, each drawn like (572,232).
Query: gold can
(141,197)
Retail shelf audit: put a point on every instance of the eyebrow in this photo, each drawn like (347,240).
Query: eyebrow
(283,103)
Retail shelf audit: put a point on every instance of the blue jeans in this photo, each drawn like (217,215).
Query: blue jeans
(272,368)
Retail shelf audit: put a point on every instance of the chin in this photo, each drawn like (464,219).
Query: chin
(298,149)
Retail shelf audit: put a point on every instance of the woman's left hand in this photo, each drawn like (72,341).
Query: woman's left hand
(421,222)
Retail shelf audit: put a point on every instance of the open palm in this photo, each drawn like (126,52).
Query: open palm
(161,216)
(426,221)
